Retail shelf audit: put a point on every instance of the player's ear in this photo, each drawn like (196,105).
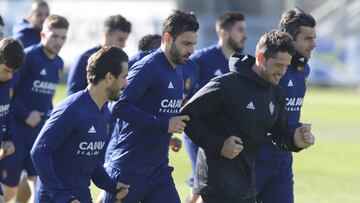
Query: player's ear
(260,58)
(109,77)
(167,37)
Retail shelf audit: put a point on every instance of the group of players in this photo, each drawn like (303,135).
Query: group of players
(239,114)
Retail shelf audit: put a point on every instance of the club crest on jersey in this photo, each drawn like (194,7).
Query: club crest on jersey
(300,68)
(11,92)
(271,107)
(187,83)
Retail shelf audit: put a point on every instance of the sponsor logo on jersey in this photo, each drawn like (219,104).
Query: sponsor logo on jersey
(92,130)
(294,103)
(4,110)
(250,106)
(90,148)
(170,86)
(43,72)
(43,87)
(170,105)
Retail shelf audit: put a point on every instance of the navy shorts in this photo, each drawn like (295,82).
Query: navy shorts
(13,165)
(274,181)
(155,188)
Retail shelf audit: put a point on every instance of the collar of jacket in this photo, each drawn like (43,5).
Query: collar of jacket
(298,62)
(242,64)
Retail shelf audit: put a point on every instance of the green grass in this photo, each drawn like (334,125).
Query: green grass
(329,171)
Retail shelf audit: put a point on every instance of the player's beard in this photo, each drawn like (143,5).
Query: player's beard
(113,92)
(235,46)
(176,56)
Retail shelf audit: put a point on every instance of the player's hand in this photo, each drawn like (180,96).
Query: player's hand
(75,201)
(122,189)
(34,118)
(232,147)
(6,149)
(175,144)
(303,138)
(177,124)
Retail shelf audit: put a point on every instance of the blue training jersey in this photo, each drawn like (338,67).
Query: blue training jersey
(154,94)
(6,93)
(65,153)
(294,85)
(35,88)
(212,63)
(24,32)
(76,80)
(190,74)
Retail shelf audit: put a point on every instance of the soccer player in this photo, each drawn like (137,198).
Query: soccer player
(149,108)
(33,100)
(28,30)
(116,30)
(225,121)
(65,153)
(213,61)
(12,57)
(147,44)
(274,176)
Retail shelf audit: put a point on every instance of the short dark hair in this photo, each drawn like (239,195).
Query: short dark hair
(117,22)
(56,21)
(179,22)
(12,53)
(2,21)
(292,20)
(107,59)
(40,3)
(227,20)
(275,41)
(149,42)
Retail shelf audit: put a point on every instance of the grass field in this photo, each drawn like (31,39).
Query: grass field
(328,172)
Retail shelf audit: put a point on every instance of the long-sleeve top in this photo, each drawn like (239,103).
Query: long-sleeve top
(294,85)
(76,80)
(65,153)
(212,63)
(24,32)
(242,104)
(35,88)
(153,95)
(6,123)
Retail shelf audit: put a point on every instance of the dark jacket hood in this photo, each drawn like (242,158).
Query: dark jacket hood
(242,64)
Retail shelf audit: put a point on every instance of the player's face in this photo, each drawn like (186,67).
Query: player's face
(117,38)
(237,36)
(1,32)
(119,83)
(6,73)
(53,39)
(305,41)
(38,16)
(183,46)
(275,68)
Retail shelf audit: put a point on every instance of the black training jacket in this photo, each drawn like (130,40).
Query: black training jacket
(238,103)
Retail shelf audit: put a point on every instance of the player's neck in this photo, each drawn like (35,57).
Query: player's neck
(227,51)
(49,54)
(167,55)
(98,95)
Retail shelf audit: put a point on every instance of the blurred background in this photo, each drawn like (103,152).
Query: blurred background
(328,172)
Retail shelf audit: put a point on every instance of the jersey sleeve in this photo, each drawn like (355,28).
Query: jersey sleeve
(206,103)
(139,80)
(55,131)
